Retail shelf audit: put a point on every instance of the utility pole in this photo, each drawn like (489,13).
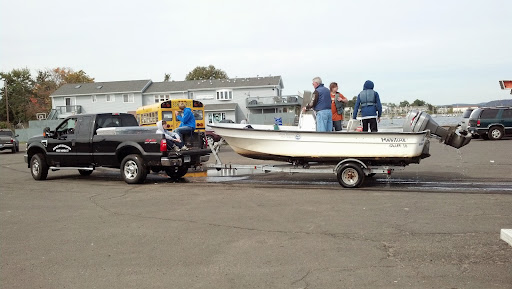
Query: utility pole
(6,100)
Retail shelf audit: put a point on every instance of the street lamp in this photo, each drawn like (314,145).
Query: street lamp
(6,100)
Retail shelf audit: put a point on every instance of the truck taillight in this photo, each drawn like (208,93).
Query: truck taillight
(478,123)
(163,145)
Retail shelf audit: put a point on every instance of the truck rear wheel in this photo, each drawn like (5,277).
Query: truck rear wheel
(176,172)
(38,167)
(133,169)
(350,175)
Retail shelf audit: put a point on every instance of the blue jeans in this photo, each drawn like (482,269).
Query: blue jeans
(184,130)
(324,120)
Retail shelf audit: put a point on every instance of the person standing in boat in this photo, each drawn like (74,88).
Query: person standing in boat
(337,105)
(371,108)
(321,104)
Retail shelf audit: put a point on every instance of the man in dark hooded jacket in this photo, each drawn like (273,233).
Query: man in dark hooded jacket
(371,108)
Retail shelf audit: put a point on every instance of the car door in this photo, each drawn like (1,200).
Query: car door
(83,143)
(60,148)
(506,118)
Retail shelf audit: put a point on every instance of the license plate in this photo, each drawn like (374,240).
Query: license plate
(186,159)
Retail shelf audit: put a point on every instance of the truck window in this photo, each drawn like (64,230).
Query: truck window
(116,120)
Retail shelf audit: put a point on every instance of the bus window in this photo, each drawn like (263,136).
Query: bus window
(198,114)
(167,115)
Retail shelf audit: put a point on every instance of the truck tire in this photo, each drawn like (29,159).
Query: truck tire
(38,167)
(495,133)
(133,169)
(350,175)
(85,172)
(176,172)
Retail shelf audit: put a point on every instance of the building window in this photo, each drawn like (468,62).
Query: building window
(191,95)
(111,98)
(128,98)
(216,117)
(94,98)
(161,97)
(224,94)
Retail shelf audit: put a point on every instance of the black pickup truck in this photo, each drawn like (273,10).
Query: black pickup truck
(114,140)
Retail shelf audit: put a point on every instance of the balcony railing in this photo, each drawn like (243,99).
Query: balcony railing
(67,110)
(262,101)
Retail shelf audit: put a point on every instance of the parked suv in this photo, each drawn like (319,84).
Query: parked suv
(9,141)
(491,122)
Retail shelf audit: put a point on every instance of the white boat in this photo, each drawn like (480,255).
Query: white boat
(299,143)
(291,144)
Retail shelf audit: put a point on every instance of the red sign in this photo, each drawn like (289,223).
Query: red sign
(506,84)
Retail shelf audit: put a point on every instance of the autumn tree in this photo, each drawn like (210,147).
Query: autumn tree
(203,72)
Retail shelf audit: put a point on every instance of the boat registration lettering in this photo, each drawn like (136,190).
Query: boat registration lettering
(397,145)
(393,139)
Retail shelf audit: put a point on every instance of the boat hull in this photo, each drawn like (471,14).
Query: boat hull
(289,144)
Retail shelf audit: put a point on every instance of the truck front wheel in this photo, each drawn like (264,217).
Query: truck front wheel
(133,169)
(38,167)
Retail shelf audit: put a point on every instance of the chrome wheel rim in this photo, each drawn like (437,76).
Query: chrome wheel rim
(350,176)
(130,170)
(35,167)
(496,133)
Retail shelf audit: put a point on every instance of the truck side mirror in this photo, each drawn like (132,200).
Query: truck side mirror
(47,132)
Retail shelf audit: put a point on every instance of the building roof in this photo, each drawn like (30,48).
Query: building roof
(102,87)
(191,85)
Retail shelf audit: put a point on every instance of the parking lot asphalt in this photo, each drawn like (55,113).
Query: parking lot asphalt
(432,225)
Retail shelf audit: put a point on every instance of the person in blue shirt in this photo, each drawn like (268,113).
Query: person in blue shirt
(321,104)
(371,108)
(188,121)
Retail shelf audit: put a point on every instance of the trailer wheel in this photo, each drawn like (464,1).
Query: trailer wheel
(350,175)
(133,169)
(38,167)
(176,172)
(85,172)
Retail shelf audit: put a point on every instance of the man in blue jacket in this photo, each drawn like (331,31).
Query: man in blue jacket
(188,121)
(371,109)
(321,104)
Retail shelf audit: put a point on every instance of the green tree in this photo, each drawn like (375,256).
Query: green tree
(351,102)
(203,72)
(404,103)
(418,102)
(19,86)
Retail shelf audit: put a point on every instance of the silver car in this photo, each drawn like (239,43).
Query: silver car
(465,118)
(9,141)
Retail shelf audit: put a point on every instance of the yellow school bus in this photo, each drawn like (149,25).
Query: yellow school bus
(148,115)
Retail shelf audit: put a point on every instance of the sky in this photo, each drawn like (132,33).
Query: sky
(442,52)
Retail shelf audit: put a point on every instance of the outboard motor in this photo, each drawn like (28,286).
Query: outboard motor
(417,121)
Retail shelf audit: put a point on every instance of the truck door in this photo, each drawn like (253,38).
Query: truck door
(61,147)
(83,144)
